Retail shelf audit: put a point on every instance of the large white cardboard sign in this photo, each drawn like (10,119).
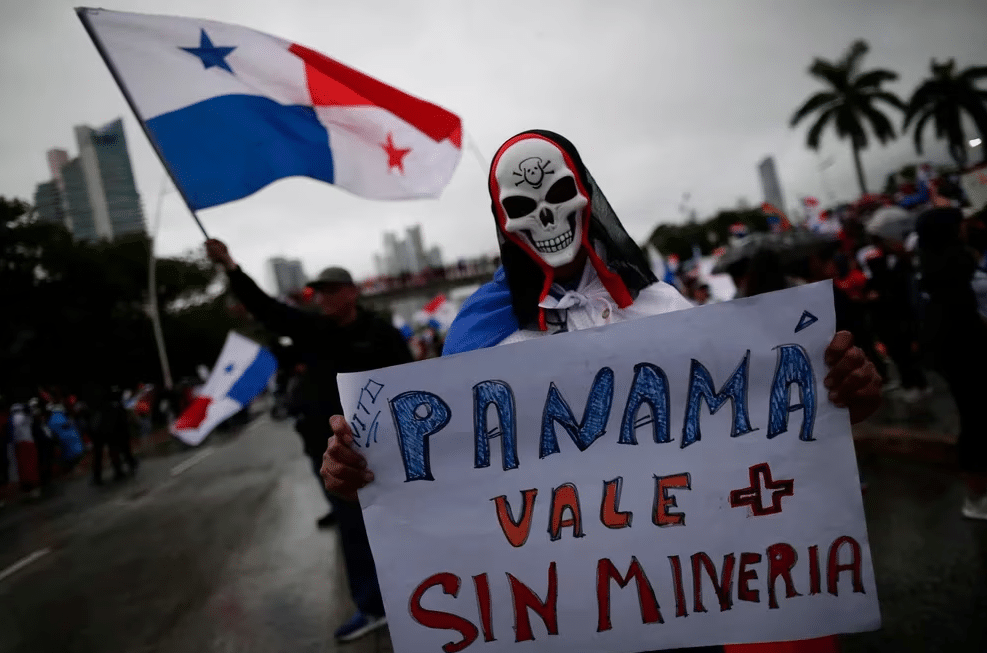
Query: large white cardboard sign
(680,480)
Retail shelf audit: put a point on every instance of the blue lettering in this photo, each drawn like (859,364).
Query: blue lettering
(418,415)
(701,387)
(499,394)
(793,367)
(595,416)
(650,387)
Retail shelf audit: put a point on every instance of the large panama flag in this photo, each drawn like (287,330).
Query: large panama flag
(230,110)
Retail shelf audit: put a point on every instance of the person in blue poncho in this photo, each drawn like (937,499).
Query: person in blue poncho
(568,264)
(65,431)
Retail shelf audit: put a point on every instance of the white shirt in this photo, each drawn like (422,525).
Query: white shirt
(20,426)
(590,305)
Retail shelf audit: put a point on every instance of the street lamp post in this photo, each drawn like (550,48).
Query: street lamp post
(152,291)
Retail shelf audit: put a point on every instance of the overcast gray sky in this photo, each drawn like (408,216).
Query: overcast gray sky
(661,98)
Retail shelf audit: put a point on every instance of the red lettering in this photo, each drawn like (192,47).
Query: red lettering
(744,592)
(483,603)
(680,609)
(442,620)
(834,568)
(723,586)
(565,497)
(663,501)
(781,559)
(605,571)
(814,575)
(524,598)
(516,532)
(610,513)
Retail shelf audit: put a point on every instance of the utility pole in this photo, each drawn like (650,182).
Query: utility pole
(152,290)
(824,165)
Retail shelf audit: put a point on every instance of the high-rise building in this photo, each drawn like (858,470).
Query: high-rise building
(392,256)
(408,255)
(416,250)
(48,202)
(78,211)
(288,275)
(770,185)
(94,194)
(434,257)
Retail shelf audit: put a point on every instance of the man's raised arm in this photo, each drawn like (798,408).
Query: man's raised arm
(275,315)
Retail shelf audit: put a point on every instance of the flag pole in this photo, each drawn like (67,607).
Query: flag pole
(83,14)
(484,166)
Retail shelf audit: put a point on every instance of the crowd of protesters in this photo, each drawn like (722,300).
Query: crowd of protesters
(914,296)
(877,274)
(50,434)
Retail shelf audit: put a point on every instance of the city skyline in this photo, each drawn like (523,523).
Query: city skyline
(681,101)
(407,255)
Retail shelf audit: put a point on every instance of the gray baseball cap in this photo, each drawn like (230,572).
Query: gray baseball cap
(332,275)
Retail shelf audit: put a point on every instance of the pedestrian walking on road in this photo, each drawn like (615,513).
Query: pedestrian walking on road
(44,442)
(111,431)
(25,451)
(67,435)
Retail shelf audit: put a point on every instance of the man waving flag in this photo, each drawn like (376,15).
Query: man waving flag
(230,110)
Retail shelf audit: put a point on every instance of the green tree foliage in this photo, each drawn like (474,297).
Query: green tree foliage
(679,239)
(943,99)
(75,313)
(849,103)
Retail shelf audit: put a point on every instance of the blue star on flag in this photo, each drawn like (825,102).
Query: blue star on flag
(228,368)
(210,54)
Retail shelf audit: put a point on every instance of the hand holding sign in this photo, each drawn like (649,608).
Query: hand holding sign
(853,381)
(344,469)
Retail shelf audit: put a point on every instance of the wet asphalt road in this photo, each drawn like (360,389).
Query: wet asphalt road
(930,563)
(216,550)
(222,555)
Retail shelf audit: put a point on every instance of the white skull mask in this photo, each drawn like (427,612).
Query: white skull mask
(541,199)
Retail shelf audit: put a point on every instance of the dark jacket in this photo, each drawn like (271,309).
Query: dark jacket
(891,277)
(953,331)
(325,349)
(112,423)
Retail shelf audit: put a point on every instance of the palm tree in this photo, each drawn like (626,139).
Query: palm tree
(943,98)
(849,103)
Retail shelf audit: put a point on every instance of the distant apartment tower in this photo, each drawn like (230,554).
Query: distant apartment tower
(417,261)
(770,185)
(94,194)
(434,257)
(288,275)
(407,255)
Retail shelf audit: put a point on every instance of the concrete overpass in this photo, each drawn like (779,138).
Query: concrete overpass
(407,295)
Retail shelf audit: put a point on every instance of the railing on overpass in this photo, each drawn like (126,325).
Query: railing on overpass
(430,282)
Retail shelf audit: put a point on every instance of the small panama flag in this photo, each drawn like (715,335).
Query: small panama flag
(438,313)
(777,220)
(402,325)
(242,371)
(738,230)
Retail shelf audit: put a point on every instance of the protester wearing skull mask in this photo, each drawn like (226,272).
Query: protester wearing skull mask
(568,264)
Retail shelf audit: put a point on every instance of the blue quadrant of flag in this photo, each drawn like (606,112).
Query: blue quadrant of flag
(254,378)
